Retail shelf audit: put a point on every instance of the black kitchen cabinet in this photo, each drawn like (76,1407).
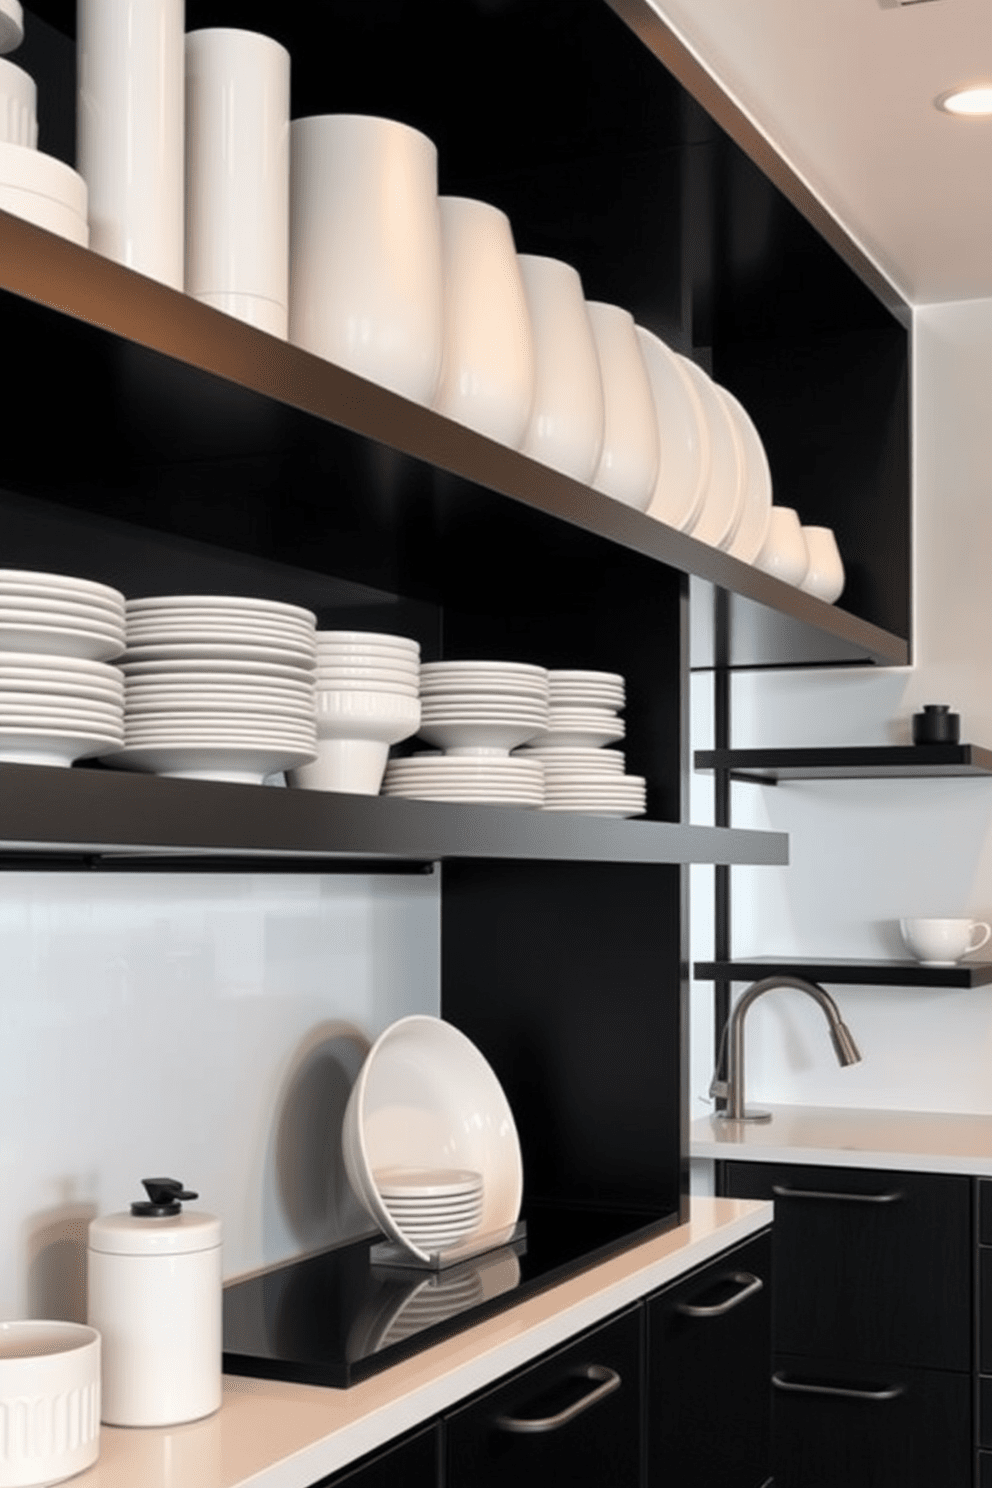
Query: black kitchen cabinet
(708,1415)
(872,1324)
(574,1417)
(412,1463)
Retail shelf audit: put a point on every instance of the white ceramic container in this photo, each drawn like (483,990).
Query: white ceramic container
(628,464)
(784,553)
(18,106)
(11,25)
(723,499)
(487,370)
(753,525)
(565,429)
(154,1288)
(49,1401)
(683,439)
(130,131)
(237,175)
(825,575)
(365,250)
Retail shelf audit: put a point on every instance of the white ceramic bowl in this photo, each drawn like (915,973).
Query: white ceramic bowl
(628,464)
(565,429)
(427,1098)
(825,575)
(386,717)
(723,499)
(49,1401)
(784,553)
(683,438)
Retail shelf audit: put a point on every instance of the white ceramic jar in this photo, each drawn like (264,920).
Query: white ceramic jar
(487,375)
(365,250)
(154,1286)
(130,131)
(628,464)
(237,175)
(565,429)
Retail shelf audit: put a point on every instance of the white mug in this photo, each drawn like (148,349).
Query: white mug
(942,942)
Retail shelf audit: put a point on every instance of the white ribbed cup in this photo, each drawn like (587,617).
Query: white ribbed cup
(365,250)
(237,175)
(49,1401)
(18,106)
(565,429)
(130,131)
(487,377)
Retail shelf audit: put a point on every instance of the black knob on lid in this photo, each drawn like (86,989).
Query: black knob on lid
(164,1195)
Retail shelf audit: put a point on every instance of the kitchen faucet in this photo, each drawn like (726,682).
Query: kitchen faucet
(733,1087)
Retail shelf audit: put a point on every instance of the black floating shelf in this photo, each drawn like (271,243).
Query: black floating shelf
(860,762)
(850,972)
(109,813)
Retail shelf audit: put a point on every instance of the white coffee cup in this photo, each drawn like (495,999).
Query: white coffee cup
(942,942)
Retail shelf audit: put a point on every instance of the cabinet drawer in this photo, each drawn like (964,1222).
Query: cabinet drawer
(836,1427)
(869,1265)
(573,1418)
(708,1411)
(412,1463)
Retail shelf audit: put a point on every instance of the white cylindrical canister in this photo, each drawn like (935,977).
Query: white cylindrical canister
(154,1285)
(237,175)
(130,131)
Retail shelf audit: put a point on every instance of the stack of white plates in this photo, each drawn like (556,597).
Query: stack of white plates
(367,698)
(584,709)
(485,780)
(59,700)
(217,687)
(482,707)
(432,1208)
(579,774)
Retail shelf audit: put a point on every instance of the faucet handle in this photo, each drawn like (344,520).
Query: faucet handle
(718,1089)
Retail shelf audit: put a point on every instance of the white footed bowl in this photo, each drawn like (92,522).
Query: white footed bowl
(487,377)
(825,575)
(365,250)
(49,1401)
(784,553)
(427,1098)
(18,106)
(628,465)
(565,429)
(355,766)
(237,174)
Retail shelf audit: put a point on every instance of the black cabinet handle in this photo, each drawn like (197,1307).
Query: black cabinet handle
(748,1285)
(606,1381)
(891,1197)
(846,1392)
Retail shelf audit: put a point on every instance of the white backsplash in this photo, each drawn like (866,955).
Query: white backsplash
(202,1026)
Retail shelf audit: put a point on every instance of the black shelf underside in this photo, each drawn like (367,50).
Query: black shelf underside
(870,762)
(847,972)
(109,812)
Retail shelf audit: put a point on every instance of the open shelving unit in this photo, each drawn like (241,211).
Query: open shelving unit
(854,762)
(188,452)
(849,972)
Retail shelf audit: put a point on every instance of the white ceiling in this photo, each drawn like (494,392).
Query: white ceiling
(844,91)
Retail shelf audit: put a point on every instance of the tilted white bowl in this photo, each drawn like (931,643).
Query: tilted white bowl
(427,1098)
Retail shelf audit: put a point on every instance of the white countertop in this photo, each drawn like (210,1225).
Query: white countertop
(914,1141)
(272,1435)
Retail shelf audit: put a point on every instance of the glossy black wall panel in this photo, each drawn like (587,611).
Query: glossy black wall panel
(568,977)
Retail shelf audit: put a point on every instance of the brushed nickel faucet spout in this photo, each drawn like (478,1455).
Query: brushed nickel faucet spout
(733,1088)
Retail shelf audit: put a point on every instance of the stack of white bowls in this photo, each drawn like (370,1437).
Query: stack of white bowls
(217,687)
(477,711)
(60,700)
(366,698)
(433,1208)
(579,773)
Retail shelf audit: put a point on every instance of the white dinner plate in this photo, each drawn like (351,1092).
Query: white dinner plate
(226,669)
(58,585)
(82,643)
(245,604)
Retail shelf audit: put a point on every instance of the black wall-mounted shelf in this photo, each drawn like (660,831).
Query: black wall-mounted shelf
(847,972)
(859,762)
(113,813)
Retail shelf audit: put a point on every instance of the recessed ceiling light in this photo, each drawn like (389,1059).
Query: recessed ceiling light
(974,102)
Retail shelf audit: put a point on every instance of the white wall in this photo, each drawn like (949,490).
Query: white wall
(864,853)
(203,1026)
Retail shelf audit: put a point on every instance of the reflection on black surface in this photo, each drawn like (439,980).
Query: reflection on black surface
(333,1318)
